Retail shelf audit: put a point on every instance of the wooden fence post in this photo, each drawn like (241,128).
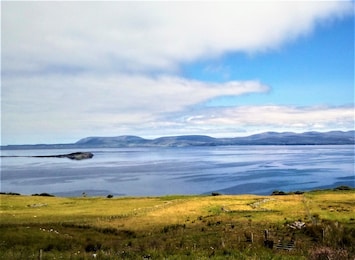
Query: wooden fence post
(266,234)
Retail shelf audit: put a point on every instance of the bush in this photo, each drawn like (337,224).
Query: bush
(109,196)
(299,192)
(280,192)
(92,247)
(277,192)
(43,195)
(10,193)
(343,187)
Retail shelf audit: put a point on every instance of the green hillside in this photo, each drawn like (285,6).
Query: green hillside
(179,227)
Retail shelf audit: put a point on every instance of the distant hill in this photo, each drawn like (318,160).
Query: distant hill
(307,138)
(185,140)
(267,138)
(123,140)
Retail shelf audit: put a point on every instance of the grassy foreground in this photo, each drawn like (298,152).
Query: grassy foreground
(179,227)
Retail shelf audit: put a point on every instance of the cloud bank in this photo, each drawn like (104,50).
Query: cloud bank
(74,69)
(149,36)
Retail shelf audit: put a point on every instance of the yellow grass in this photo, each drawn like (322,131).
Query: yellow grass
(161,224)
(339,206)
(169,210)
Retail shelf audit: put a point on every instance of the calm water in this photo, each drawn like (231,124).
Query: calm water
(193,170)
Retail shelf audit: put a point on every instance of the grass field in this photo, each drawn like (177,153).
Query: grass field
(179,227)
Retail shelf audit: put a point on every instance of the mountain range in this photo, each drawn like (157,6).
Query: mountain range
(267,138)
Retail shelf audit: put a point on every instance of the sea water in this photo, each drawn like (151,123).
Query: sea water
(187,170)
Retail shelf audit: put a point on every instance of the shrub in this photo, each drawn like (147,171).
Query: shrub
(128,233)
(299,192)
(43,195)
(10,193)
(109,196)
(343,187)
(92,247)
(277,192)
(314,232)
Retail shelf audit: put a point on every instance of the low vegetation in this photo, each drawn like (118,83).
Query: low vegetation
(311,225)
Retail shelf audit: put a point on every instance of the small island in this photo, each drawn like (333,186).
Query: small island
(73,156)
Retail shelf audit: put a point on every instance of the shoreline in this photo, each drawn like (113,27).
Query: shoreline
(213,194)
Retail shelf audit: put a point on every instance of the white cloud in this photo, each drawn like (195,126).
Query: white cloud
(158,107)
(60,103)
(72,68)
(146,36)
(277,116)
(115,93)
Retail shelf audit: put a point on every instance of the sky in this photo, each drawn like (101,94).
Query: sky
(70,70)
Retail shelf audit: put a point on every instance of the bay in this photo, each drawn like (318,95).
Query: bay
(160,171)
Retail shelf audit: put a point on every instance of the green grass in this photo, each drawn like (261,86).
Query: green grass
(176,227)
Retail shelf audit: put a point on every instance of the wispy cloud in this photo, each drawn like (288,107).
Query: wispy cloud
(277,117)
(118,99)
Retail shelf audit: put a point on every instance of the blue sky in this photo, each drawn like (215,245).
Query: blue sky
(299,72)
(77,69)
